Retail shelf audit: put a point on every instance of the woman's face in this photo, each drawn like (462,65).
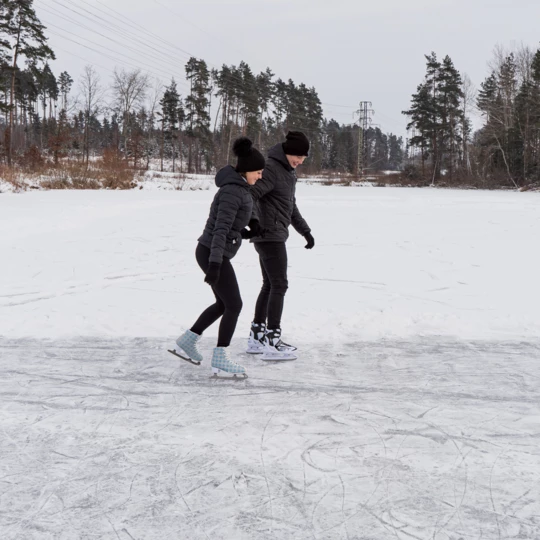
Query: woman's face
(253,176)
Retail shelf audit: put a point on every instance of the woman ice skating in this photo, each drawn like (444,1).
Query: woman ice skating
(230,213)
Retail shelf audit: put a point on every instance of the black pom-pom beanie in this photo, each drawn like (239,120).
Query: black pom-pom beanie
(249,158)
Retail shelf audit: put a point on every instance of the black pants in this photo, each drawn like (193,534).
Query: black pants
(273,259)
(228,301)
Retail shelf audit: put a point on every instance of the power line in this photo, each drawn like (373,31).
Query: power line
(137,51)
(182,17)
(97,51)
(122,62)
(113,26)
(234,77)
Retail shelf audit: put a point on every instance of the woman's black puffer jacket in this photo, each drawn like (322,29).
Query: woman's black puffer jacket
(230,212)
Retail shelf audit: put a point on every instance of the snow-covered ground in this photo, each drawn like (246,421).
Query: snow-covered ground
(388,263)
(412,412)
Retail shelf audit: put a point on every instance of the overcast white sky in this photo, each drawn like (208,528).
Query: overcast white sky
(348,50)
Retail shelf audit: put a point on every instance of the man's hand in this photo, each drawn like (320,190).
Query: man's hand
(310,241)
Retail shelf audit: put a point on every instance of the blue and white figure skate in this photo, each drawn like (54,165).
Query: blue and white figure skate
(275,349)
(186,348)
(224,368)
(256,338)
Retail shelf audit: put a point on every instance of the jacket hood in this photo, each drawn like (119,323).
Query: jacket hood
(277,153)
(228,175)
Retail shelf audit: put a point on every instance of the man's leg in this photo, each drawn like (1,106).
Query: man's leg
(261,307)
(273,257)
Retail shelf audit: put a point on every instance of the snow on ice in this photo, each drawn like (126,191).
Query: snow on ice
(412,412)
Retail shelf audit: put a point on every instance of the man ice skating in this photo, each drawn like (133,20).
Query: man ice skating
(275,204)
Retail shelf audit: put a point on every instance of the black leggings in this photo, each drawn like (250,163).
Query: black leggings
(228,301)
(273,259)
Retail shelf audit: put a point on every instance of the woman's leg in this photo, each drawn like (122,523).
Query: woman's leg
(228,292)
(228,301)
(215,311)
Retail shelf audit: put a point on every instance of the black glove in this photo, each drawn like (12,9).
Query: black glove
(253,231)
(212,274)
(255,228)
(310,241)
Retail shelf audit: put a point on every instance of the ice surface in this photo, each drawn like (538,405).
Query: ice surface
(115,438)
(412,412)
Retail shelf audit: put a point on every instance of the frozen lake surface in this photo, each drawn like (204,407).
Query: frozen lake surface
(412,412)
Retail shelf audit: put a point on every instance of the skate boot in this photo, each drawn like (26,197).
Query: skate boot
(224,368)
(186,348)
(256,338)
(275,349)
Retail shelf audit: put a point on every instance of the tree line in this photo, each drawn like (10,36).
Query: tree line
(505,151)
(141,120)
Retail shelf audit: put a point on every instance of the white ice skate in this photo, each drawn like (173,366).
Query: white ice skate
(256,337)
(275,349)
(224,368)
(186,348)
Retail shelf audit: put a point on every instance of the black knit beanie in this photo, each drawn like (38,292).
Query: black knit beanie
(296,144)
(249,158)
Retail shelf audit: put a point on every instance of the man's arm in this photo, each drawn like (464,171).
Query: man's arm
(260,189)
(298,222)
(263,186)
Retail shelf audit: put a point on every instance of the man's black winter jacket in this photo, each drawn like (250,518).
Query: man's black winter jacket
(275,201)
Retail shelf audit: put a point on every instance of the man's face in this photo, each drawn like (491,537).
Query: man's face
(294,161)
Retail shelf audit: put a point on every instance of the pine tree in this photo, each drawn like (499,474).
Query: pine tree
(437,116)
(395,153)
(59,141)
(197,117)
(26,37)
(265,91)
(172,117)
(422,121)
(249,98)
(450,95)
(65,83)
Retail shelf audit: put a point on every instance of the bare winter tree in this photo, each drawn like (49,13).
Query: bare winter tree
(469,105)
(92,95)
(130,89)
(153,103)
(524,60)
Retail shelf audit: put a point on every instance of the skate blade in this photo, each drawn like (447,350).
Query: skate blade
(185,358)
(275,357)
(255,350)
(224,375)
